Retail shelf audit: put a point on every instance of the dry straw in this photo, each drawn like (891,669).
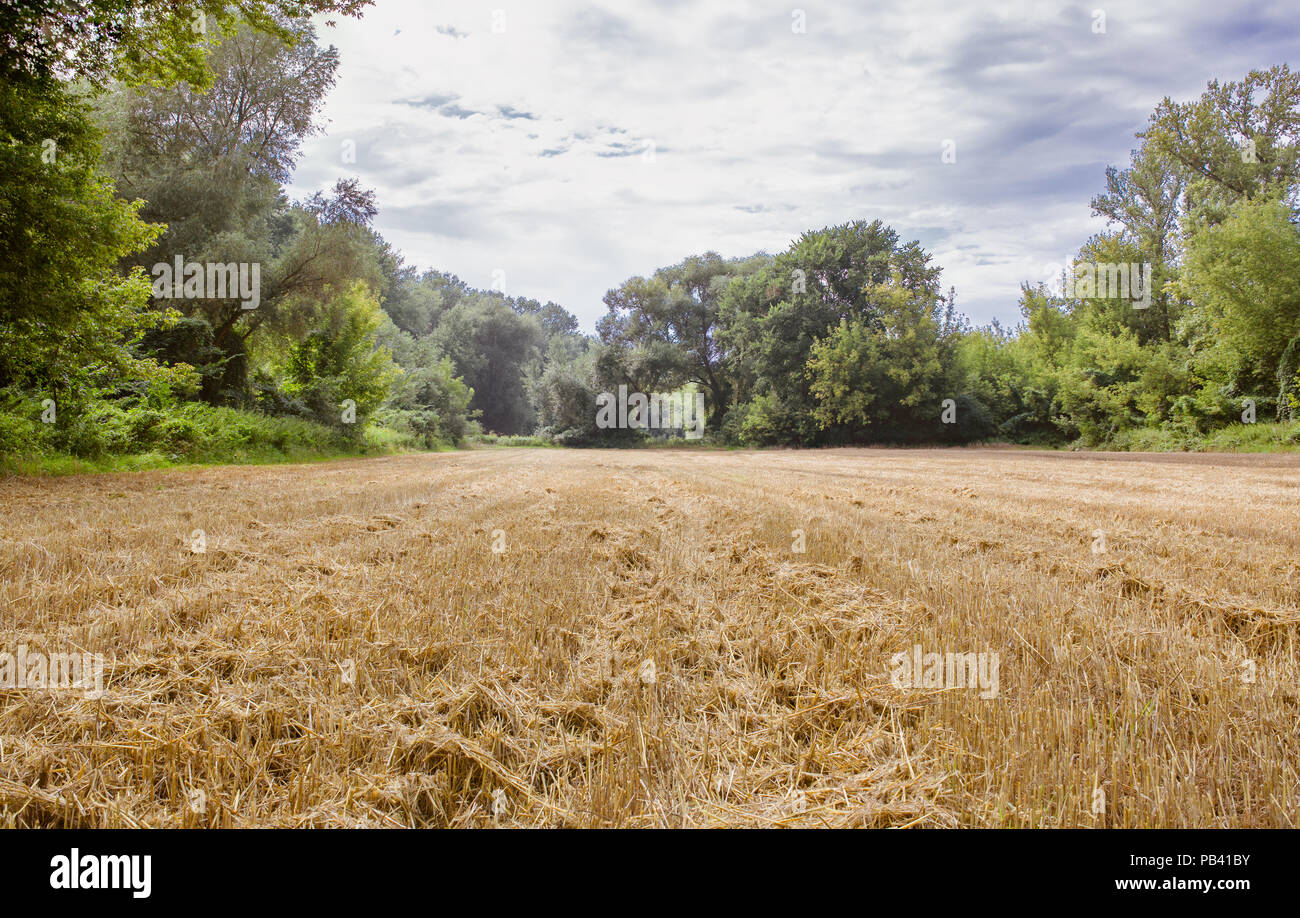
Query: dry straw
(649,651)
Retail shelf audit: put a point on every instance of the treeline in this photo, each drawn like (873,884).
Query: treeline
(161,293)
(149,144)
(1180,320)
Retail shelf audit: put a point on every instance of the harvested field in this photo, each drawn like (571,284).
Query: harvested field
(649,649)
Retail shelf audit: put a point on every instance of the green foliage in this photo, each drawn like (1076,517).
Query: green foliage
(65,313)
(765,420)
(138,41)
(495,440)
(337,370)
(890,371)
(21,431)
(1238,141)
(202,127)
(433,404)
(190,432)
(566,401)
(496,350)
(1288,382)
(774,314)
(671,322)
(1245,272)
(844,369)
(1234,438)
(209,162)
(1203,204)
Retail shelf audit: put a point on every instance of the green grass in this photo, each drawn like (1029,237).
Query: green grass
(55,465)
(111,437)
(1261,437)
(62,464)
(489,439)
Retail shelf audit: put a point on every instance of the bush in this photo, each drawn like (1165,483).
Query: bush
(22,435)
(192,431)
(974,421)
(491,439)
(764,421)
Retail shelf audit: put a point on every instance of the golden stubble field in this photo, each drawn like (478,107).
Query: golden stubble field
(350,650)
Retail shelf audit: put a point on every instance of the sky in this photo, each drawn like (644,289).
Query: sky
(553,149)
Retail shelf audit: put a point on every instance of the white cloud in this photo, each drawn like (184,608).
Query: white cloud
(523,150)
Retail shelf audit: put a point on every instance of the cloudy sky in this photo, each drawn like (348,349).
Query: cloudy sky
(557,148)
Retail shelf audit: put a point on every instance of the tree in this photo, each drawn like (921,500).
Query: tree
(674,316)
(496,351)
(1144,202)
(338,370)
(1237,141)
(65,313)
(566,399)
(556,321)
(773,317)
(1245,273)
(890,372)
(417,304)
(210,164)
(139,41)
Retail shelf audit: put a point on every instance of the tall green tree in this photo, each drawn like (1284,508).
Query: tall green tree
(210,163)
(338,368)
(65,311)
(772,318)
(1144,202)
(887,372)
(1239,140)
(139,41)
(496,351)
(672,317)
(1245,273)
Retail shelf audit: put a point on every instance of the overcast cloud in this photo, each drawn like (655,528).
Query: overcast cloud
(582,143)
